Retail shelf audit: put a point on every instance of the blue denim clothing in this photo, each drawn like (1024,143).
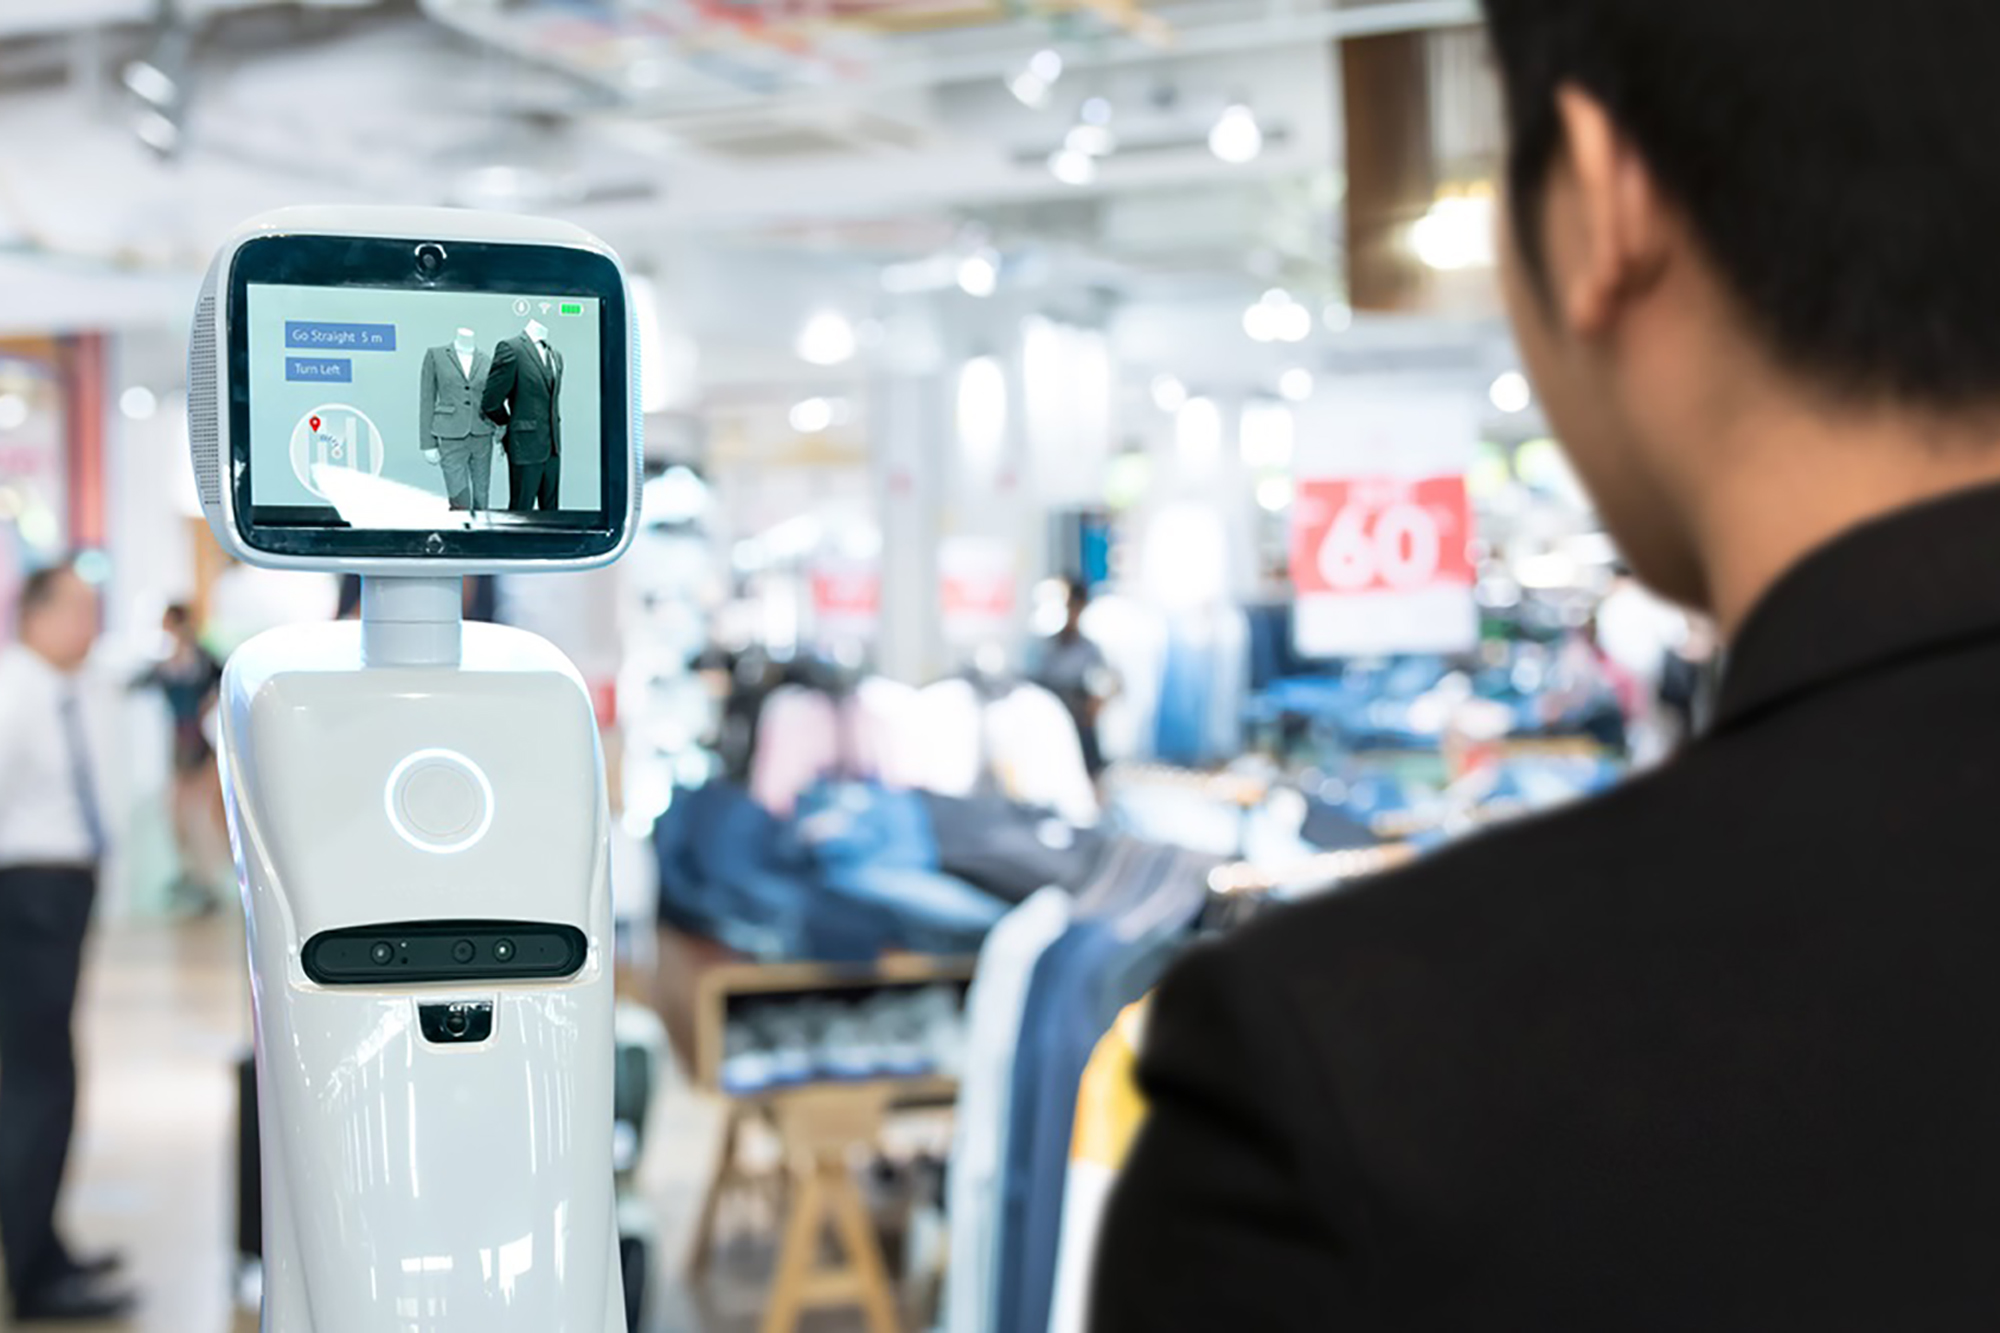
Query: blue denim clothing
(875,850)
(854,875)
(728,872)
(1080,984)
(1059,1028)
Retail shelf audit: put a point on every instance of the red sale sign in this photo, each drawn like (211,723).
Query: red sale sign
(976,583)
(1382,526)
(1381,535)
(847,600)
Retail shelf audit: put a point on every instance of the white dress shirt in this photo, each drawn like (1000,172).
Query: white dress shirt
(42,819)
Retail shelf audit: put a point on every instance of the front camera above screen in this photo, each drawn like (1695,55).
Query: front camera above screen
(477,412)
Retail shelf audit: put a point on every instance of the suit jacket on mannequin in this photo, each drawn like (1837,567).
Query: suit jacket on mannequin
(450,400)
(522,394)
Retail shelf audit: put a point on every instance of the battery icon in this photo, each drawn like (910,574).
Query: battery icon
(572,308)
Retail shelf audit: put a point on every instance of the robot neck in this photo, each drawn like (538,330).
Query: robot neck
(411,621)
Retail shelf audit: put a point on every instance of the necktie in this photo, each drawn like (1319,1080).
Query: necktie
(82,774)
(548,362)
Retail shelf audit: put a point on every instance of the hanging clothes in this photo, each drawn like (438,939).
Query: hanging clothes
(799,741)
(1109,1111)
(993,1008)
(1012,739)
(1103,963)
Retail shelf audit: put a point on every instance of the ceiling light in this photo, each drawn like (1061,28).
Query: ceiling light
(157,132)
(812,416)
(1198,433)
(150,83)
(1073,168)
(1278,318)
(827,339)
(1095,111)
(982,414)
(1296,384)
(1031,87)
(13,411)
(1169,394)
(138,403)
(93,567)
(979,273)
(1456,234)
(1090,140)
(1274,494)
(1237,137)
(1511,392)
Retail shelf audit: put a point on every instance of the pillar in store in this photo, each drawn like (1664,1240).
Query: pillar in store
(85,389)
(910,415)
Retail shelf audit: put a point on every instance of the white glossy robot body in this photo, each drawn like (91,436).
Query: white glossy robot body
(436,1153)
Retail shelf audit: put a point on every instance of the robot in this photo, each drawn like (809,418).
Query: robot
(417,805)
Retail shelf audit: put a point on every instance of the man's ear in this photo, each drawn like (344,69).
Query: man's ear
(1610,217)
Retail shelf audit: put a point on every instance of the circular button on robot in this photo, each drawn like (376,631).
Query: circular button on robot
(439,801)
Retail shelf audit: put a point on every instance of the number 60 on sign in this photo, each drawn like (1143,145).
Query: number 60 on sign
(1381,535)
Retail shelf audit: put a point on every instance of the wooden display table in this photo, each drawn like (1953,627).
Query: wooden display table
(821,1126)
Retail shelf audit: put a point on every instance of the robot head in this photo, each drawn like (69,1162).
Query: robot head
(337,423)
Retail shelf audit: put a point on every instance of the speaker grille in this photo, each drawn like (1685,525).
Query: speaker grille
(204,407)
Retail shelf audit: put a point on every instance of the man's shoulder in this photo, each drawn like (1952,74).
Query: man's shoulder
(1538,884)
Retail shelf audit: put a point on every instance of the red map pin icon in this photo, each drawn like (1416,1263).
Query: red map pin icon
(313,422)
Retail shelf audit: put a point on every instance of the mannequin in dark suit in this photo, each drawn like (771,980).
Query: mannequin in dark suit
(524,394)
(451,426)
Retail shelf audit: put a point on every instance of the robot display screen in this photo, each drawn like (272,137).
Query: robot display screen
(473,407)
(402,409)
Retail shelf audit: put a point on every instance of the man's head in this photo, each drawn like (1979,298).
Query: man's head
(58,614)
(178,621)
(1078,601)
(1727,212)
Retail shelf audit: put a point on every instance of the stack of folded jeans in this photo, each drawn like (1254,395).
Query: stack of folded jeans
(853,874)
(781,1042)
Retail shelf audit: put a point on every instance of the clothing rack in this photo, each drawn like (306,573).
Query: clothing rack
(1325,871)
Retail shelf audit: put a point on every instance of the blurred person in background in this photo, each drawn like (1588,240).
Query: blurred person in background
(1074,669)
(53,838)
(188,678)
(1715,1051)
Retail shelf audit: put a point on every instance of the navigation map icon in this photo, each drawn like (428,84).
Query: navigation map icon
(335,435)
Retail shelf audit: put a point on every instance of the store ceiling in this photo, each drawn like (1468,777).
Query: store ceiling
(860,132)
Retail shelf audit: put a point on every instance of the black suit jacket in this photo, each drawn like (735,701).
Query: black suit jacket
(1720,1051)
(525,396)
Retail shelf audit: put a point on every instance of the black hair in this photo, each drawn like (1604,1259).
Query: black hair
(178,613)
(41,586)
(1837,161)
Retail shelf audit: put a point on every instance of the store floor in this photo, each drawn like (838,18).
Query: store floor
(165,1013)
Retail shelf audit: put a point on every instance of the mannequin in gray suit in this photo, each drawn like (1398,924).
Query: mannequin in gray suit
(455,434)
